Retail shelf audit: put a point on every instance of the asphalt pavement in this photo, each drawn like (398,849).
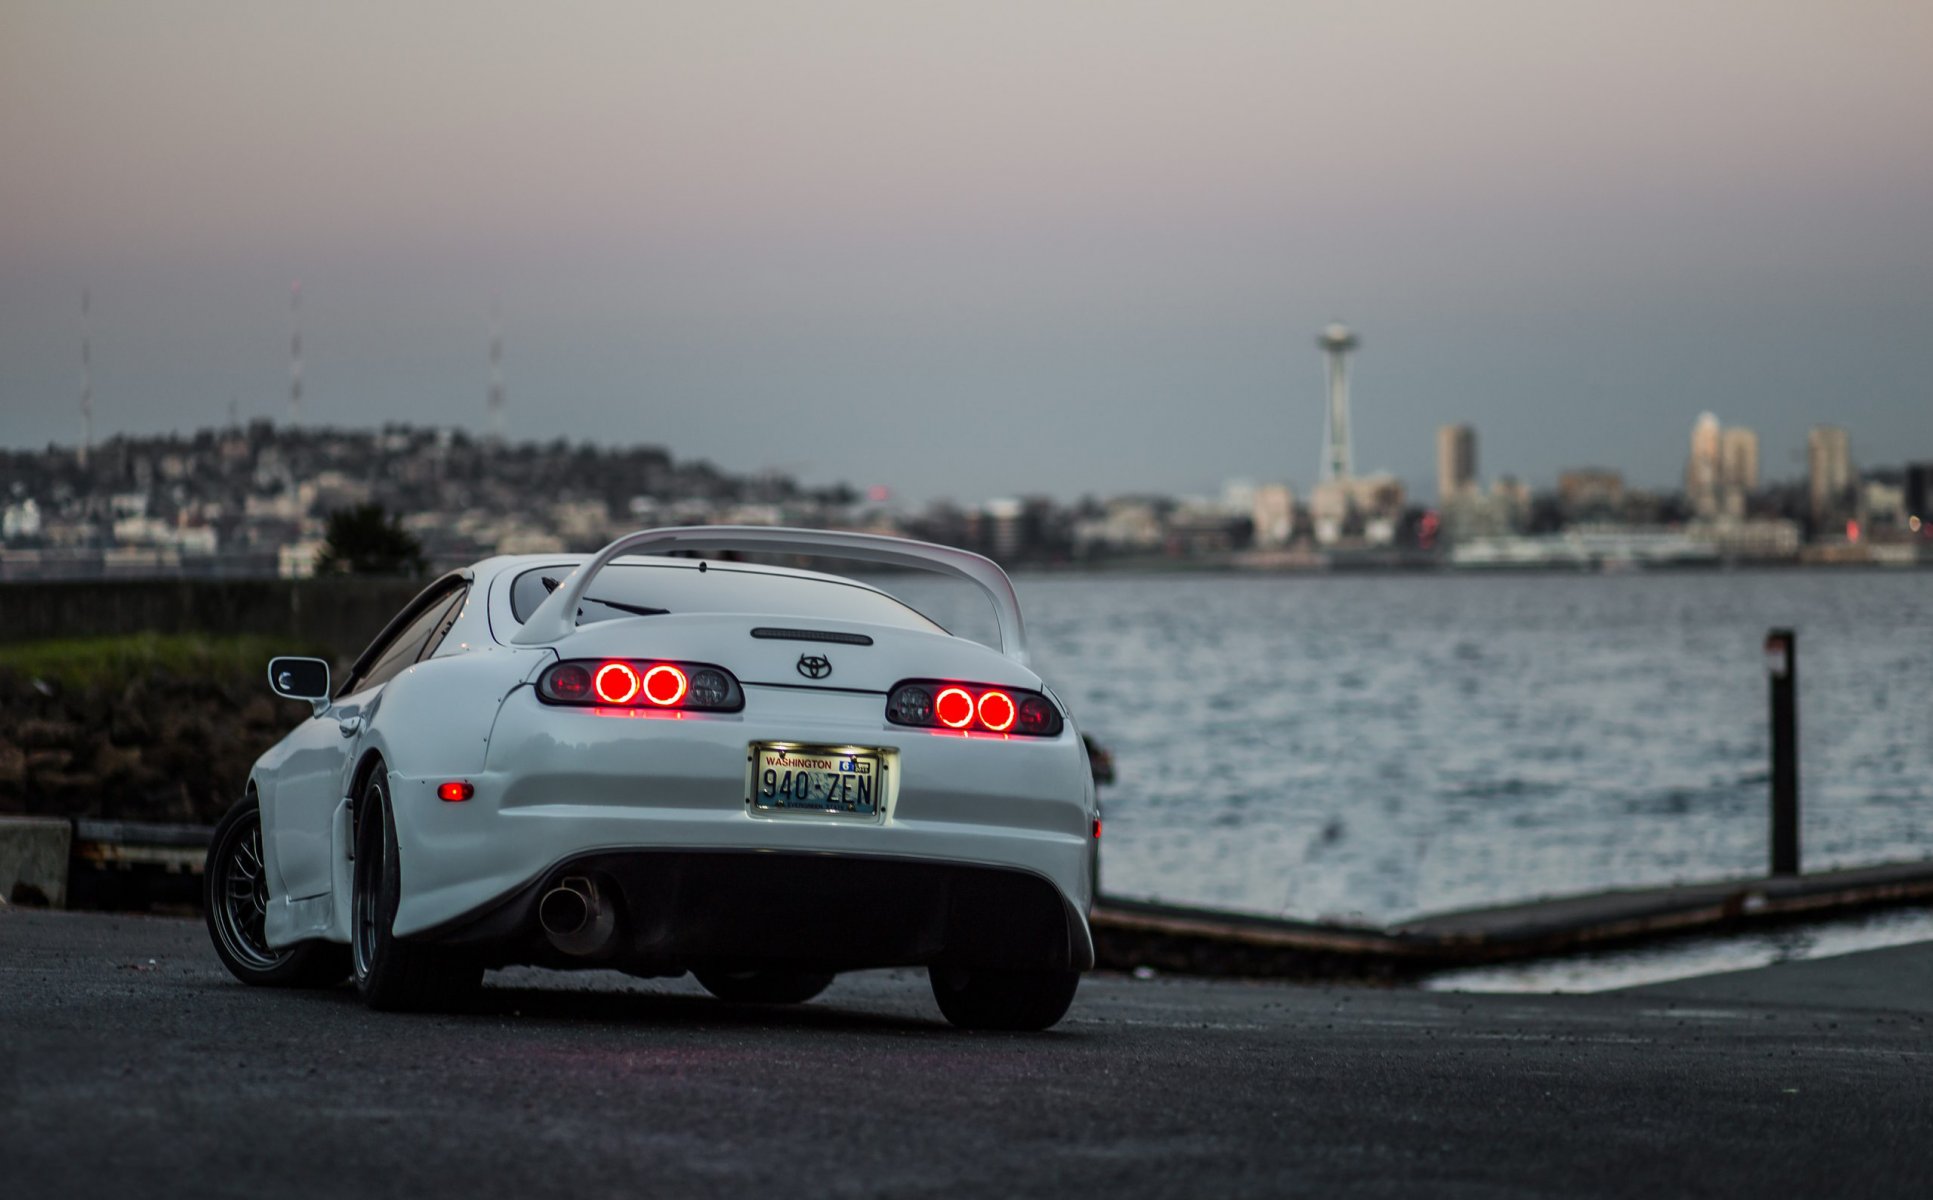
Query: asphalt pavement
(131,1064)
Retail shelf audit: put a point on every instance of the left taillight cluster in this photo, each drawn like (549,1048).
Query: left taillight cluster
(972,707)
(634,683)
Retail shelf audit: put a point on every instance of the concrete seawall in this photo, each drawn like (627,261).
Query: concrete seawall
(341,613)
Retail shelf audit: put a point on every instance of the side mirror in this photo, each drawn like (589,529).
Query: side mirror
(300,679)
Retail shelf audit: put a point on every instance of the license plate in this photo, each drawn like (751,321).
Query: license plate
(839,780)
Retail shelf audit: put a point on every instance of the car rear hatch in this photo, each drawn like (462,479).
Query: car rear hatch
(775,651)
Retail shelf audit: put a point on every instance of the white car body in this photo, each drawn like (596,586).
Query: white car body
(982,851)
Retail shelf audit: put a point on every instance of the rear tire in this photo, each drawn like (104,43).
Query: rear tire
(234,899)
(394,975)
(764,987)
(1014,1000)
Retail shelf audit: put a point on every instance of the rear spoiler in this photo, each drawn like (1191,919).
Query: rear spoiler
(556,618)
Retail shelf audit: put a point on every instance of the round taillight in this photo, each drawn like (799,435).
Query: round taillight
(954,707)
(665,685)
(455,791)
(615,683)
(996,711)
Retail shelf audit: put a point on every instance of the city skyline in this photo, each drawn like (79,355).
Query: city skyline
(1720,471)
(970,276)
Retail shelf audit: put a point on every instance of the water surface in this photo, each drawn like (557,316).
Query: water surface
(1370,747)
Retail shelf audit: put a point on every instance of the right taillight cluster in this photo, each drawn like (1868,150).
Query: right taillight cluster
(972,707)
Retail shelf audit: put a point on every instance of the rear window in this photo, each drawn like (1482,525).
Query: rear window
(678,586)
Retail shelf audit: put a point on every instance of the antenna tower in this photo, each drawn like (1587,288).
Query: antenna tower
(87,381)
(496,370)
(295,353)
(1336,341)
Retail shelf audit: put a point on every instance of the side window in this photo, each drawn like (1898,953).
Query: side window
(450,613)
(408,645)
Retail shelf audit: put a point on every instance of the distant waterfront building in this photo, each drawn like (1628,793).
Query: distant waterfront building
(1364,509)
(1125,525)
(1513,491)
(1329,511)
(1195,528)
(296,560)
(21,520)
(1737,468)
(1274,515)
(1456,461)
(1238,497)
(1008,534)
(1702,468)
(1590,492)
(1882,504)
(1828,457)
(1471,514)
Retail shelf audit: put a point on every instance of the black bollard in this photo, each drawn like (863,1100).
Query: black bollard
(1782,665)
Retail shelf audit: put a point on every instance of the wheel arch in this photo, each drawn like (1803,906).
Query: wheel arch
(365,767)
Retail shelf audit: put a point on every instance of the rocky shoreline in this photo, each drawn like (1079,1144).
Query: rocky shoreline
(157,747)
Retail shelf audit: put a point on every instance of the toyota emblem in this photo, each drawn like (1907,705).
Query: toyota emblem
(814,666)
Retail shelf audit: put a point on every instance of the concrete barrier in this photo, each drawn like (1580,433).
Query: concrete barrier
(33,860)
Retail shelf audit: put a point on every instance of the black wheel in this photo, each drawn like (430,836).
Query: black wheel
(394,975)
(234,894)
(1003,999)
(764,987)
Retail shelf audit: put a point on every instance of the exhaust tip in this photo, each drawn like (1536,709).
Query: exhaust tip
(563,911)
(578,916)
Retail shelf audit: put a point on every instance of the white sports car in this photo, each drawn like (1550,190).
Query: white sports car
(661,764)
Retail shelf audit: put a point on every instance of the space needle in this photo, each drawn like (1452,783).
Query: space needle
(1336,341)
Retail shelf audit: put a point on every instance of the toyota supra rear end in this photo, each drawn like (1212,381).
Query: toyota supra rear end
(661,763)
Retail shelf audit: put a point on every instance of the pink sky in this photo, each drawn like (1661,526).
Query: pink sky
(1112,220)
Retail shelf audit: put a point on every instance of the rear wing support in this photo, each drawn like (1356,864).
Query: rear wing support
(556,617)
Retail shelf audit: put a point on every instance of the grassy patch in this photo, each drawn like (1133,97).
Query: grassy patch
(86,662)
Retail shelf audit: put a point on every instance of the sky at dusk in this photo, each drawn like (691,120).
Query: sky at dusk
(975,249)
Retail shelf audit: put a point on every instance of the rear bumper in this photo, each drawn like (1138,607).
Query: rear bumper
(562,787)
(679,910)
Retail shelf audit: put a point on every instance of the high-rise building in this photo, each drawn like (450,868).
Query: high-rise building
(1737,467)
(1828,458)
(1702,467)
(1738,458)
(1456,461)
